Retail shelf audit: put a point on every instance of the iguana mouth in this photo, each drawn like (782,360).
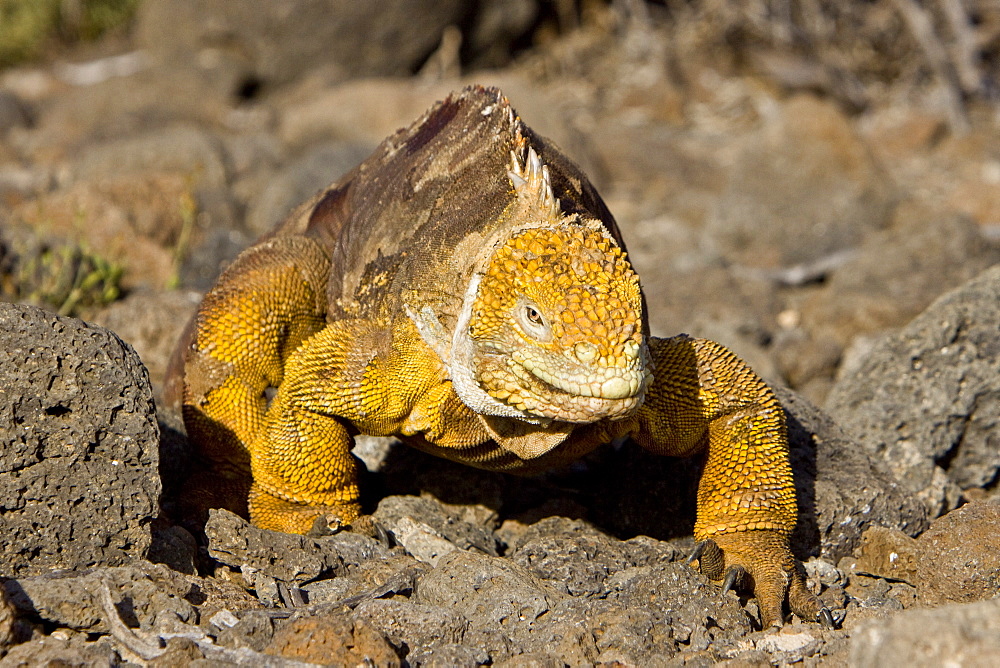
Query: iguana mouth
(543,384)
(580,380)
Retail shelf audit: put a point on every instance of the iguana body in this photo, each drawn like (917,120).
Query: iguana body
(466,290)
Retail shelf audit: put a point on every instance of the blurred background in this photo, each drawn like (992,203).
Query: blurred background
(794,178)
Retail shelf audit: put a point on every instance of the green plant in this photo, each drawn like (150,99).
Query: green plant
(28,27)
(67,278)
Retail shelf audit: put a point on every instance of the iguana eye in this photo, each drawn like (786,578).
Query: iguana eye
(532,322)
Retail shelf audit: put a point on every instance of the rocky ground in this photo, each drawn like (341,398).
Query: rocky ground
(833,215)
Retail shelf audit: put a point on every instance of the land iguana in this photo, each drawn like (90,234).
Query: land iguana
(467,290)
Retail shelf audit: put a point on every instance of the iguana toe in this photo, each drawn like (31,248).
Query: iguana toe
(735,576)
(761,562)
(805,604)
(709,557)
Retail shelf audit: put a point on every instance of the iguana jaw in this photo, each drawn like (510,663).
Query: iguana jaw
(548,385)
(577,379)
(461,365)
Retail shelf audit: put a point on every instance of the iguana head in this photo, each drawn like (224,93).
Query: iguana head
(555,329)
(551,327)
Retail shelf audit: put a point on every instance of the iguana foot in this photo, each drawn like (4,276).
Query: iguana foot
(761,562)
(271,512)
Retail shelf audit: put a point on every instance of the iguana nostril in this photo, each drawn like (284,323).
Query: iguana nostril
(585,352)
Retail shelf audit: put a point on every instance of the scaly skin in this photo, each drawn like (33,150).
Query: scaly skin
(466,290)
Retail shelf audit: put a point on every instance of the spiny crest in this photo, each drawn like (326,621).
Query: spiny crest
(579,278)
(530,179)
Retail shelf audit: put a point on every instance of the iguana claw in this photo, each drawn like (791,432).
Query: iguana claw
(762,562)
(709,557)
(734,578)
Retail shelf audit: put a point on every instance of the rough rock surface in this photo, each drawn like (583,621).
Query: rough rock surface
(959,635)
(926,400)
(842,490)
(959,556)
(150,322)
(956,560)
(337,641)
(233,542)
(78,445)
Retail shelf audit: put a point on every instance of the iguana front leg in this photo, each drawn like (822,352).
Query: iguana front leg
(264,305)
(703,396)
(353,376)
(301,460)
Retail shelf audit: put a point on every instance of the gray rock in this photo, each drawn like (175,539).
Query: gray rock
(74,599)
(421,541)
(150,322)
(254,630)
(286,557)
(72,652)
(78,446)
(872,597)
(573,557)
(240,46)
(413,627)
(952,635)
(893,276)
(332,590)
(180,148)
(488,591)
(565,635)
(394,511)
(448,655)
(647,614)
(790,645)
(685,607)
(174,546)
(927,399)
(841,489)
(532,660)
